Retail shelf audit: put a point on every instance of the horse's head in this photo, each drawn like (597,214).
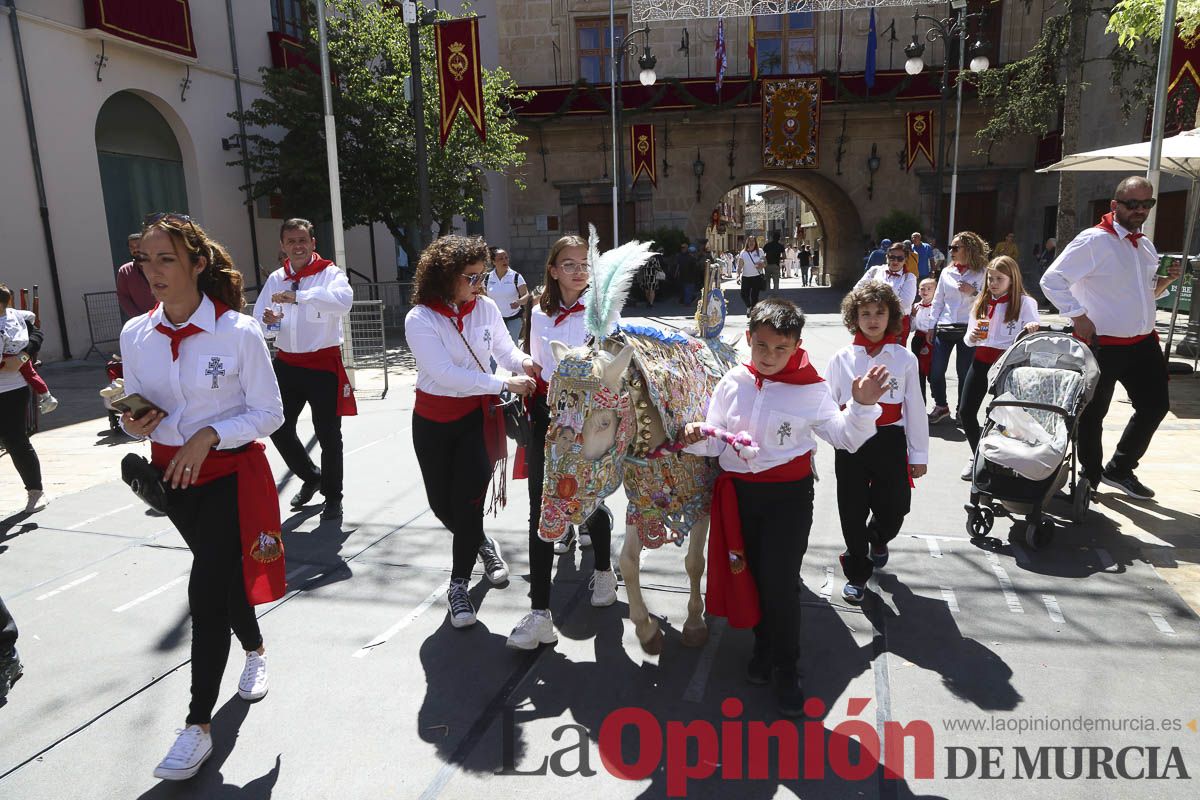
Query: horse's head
(591,426)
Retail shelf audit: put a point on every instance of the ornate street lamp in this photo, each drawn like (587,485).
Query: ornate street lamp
(872,167)
(620,47)
(698,171)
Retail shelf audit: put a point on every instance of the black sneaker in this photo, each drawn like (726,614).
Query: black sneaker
(1129,484)
(305,495)
(879,555)
(789,695)
(493,564)
(758,670)
(10,672)
(332,511)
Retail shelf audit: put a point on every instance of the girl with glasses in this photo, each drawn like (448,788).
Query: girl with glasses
(458,431)
(558,317)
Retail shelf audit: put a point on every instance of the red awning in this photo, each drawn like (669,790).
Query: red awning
(163,24)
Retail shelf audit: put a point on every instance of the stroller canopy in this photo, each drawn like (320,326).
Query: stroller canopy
(1049,350)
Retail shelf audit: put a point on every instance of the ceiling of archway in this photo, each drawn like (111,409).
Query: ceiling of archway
(651,10)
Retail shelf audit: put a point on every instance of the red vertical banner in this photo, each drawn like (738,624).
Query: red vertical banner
(1183,92)
(641,152)
(918,137)
(460,76)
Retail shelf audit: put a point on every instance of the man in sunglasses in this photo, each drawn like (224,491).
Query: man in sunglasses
(308,297)
(1106,281)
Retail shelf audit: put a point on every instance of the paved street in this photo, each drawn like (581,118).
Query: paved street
(373,694)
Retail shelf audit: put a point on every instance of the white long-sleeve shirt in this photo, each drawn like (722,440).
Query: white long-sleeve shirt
(542,330)
(783,420)
(905,388)
(223,377)
(922,317)
(950,305)
(314,321)
(903,283)
(445,367)
(1102,275)
(1001,334)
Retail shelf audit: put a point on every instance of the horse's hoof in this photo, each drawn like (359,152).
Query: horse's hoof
(695,637)
(655,645)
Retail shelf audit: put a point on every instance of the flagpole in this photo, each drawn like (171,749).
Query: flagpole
(1158,119)
(616,153)
(331,156)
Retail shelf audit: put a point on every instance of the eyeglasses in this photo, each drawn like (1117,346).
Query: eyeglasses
(955,248)
(1134,205)
(473,278)
(574,267)
(895,258)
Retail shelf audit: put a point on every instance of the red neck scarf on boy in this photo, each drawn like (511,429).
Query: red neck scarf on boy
(873,348)
(456,316)
(797,372)
(177,335)
(314,265)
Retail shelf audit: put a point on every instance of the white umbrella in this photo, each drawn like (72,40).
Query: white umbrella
(1180,156)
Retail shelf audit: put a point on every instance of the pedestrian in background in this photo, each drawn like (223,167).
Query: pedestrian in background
(924,253)
(1008,247)
(952,303)
(14,402)
(133,290)
(773,251)
(750,269)
(805,259)
(507,287)
(10,663)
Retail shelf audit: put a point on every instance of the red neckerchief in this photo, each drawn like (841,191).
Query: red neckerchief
(1106,224)
(962,268)
(873,348)
(563,313)
(993,302)
(449,313)
(798,371)
(315,265)
(177,335)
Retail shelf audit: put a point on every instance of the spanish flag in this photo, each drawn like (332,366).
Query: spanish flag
(752,50)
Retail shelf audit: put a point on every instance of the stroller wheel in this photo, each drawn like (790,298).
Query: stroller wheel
(980,521)
(1039,534)
(1081,500)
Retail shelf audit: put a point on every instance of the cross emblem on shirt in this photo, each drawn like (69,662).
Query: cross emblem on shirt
(893,385)
(215,368)
(487,339)
(785,430)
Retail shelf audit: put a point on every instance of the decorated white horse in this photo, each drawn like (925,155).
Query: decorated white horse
(622,402)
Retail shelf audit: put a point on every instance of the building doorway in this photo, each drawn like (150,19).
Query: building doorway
(141,168)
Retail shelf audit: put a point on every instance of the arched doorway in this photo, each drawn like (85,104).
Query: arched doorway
(141,167)
(841,231)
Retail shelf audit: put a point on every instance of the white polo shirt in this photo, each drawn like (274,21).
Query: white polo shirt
(506,291)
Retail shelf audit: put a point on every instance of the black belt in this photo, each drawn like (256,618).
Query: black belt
(514,316)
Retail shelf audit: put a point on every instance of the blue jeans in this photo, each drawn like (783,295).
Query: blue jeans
(688,294)
(942,345)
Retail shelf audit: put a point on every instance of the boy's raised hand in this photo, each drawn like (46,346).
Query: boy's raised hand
(867,389)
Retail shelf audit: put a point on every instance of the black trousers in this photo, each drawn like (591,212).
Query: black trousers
(806,273)
(1142,369)
(8,630)
(776,519)
(457,472)
(751,289)
(541,553)
(915,344)
(872,480)
(973,391)
(207,516)
(13,405)
(319,389)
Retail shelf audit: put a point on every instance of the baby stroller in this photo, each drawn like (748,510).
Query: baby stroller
(1026,450)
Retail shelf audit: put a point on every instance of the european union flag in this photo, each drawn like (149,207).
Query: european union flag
(871,44)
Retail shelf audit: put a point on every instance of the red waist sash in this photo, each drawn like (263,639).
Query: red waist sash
(987,355)
(327,359)
(1124,341)
(440,408)
(258,513)
(891,412)
(732,592)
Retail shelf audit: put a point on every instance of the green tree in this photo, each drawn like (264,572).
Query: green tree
(1137,22)
(369,57)
(897,225)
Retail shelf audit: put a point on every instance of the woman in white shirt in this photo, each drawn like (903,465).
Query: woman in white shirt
(206,369)
(957,288)
(508,289)
(750,272)
(558,317)
(458,431)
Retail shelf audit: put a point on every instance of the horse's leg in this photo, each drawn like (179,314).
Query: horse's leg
(695,629)
(648,633)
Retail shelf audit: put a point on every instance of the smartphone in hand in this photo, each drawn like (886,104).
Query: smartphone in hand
(136,405)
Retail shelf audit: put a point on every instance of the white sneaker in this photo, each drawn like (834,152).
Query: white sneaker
(191,749)
(604,587)
(462,610)
(252,685)
(46,403)
(968,471)
(36,500)
(563,544)
(535,628)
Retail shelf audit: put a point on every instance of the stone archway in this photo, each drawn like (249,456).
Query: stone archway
(841,225)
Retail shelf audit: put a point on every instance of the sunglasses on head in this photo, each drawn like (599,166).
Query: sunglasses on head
(169,216)
(1134,205)
(473,278)
(575,267)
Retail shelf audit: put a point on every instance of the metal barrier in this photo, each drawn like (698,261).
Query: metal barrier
(104,319)
(365,348)
(393,295)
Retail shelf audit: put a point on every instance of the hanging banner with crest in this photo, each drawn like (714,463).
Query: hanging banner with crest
(460,77)
(791,115)
(918,137)
(641,152)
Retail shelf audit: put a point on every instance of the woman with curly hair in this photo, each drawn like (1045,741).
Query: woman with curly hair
(957,288)
(873,489)
(458,431)
(205,370)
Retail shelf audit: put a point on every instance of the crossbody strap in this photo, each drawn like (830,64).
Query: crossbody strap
(467,344)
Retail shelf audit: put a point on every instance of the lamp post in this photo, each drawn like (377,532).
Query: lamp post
(948,30)
(698,171)
(872,167)
(647,62)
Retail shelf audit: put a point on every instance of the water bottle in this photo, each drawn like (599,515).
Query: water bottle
(273,328)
